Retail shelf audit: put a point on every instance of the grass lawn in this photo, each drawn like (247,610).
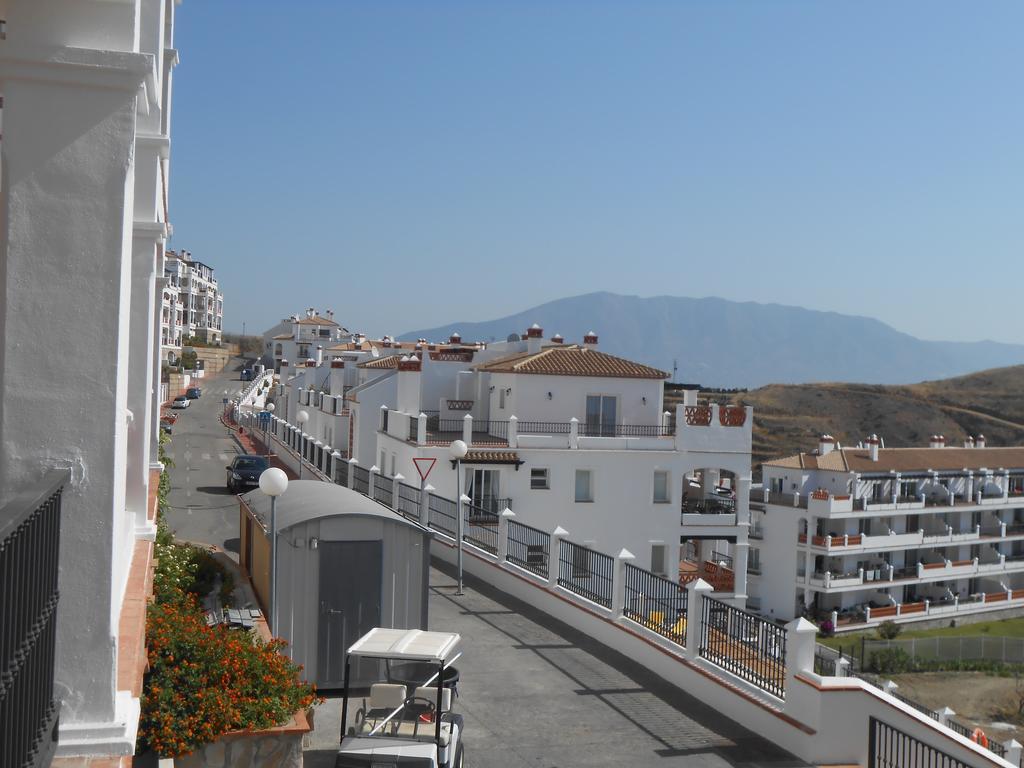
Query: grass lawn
(1003,628)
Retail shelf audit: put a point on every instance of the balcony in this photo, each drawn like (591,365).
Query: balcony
(711,510)
(29,550)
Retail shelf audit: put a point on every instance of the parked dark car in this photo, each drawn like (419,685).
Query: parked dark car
(244,471)
(246,374)
(165,426)
(193,393)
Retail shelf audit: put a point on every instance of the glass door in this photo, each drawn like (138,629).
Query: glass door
(601,415)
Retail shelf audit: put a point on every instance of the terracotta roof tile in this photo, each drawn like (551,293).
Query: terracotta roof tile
(315,320)
(491,457)
(571,360)
(906,460)
(283,337)
(389,361)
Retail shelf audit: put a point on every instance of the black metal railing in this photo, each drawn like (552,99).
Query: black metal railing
(745,644)
(341,473)
(542,428)
(916,705)
(480,527)
(414,427)
(625,430)
(586,572)
(889,747)
(710,505)
(497,429)
(408,501)
(384,419)
(29,560)
(383,490)
(443,514)
(529,548)
(493,505)
(360,479)
(825,664)
(656,602)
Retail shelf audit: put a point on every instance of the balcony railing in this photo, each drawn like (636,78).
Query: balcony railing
(29,552)
(625,430)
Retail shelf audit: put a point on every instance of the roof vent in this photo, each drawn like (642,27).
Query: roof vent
(979,441)
(826,444)
(590,340)
(455,338)
(558,338)
(535,332)
(937,441)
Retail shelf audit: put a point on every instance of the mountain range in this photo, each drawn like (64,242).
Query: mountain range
(719,343)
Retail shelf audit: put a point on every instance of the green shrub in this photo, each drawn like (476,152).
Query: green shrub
(889,630)
(889,661)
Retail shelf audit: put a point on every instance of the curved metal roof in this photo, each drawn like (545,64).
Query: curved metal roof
(312,499)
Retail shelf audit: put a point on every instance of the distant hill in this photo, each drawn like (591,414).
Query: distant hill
(732,344)
(789,419)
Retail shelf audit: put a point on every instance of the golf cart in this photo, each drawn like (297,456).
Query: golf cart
(405,720)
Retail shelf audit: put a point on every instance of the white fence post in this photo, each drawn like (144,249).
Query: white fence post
(421,429)
(574,432)
(1013,751)
(801,636)
(945,714)
(351,469)
(619,581)
(513,431)
(553,555)
(425,491)
(506,516)
(396,482)
(467,429)
(695,592)
(372,490)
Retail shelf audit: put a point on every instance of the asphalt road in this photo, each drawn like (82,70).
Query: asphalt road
(199,507)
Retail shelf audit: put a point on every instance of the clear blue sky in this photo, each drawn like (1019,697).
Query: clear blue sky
(413,163)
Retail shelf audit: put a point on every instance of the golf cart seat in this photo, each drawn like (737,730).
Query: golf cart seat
(421,730)
(385,698)
(429,693)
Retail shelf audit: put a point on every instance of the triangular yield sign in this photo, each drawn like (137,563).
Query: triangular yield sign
(423,467)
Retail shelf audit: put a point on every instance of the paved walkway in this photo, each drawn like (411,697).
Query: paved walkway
(537,693)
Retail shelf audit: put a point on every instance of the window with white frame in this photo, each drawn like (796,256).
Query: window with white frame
(501,399)
(540,479)
(584,490)
(601,415)
(661,487)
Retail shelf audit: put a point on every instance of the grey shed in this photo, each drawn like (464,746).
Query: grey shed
(345,564)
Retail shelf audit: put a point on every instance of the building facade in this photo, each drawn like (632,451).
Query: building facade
(301,337)
(562,434)
(86,88)
(192,305)
(867,534)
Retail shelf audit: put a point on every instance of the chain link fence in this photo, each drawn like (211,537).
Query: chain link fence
(1008,650)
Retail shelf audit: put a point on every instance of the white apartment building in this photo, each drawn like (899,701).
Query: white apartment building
(301,337)
(866,534)
(562,434)
(192,304)
(86,93)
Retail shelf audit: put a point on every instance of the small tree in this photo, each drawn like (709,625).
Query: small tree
(889,630)
(188,359)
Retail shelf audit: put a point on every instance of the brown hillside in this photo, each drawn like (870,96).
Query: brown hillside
(789,418)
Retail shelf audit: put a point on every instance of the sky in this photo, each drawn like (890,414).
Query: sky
(411,163)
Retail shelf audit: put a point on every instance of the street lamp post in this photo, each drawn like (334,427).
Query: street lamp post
(273,482)
(457,451)
(302,417)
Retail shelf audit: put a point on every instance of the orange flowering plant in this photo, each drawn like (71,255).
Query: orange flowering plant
(205,681)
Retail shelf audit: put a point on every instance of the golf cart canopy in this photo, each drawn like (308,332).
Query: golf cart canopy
(407,645)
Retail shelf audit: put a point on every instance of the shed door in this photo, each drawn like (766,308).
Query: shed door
(350,603)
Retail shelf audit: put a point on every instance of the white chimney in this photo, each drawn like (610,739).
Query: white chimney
(826,444)
(937,441)
(873,443)
(979,441)
(969,442)
(534,338)
(319,355)
(590,340)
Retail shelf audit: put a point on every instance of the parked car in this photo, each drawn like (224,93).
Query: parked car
(244,471)
(246,374)
(193,393)
(165,426)
(180,402)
